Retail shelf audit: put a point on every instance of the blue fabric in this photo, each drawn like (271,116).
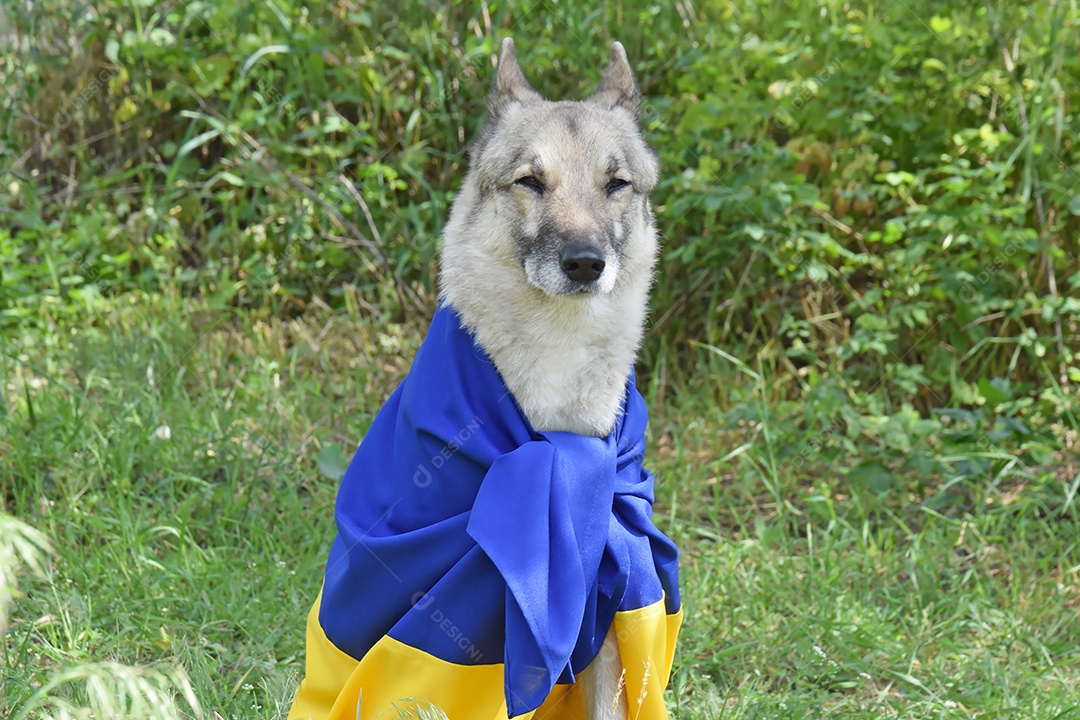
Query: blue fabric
(465,533)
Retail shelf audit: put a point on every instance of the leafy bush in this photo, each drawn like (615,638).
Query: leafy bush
(876,201)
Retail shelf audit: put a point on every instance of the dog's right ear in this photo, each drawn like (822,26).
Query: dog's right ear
(617,87)
(509,86)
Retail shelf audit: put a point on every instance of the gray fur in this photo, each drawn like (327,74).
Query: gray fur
(509,86)
(617,87)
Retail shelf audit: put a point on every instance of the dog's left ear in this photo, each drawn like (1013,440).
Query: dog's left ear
(617,87)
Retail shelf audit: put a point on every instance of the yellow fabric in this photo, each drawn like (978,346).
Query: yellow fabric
(390,672)
(646,640)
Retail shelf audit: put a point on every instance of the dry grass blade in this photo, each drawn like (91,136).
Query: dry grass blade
(21,548)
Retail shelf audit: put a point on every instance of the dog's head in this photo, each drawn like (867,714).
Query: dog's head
(563,186)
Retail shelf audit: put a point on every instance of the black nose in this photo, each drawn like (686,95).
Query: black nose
(582,263)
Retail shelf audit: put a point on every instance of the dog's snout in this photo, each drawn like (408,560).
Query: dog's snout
(582,263)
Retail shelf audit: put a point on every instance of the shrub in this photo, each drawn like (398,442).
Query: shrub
(876,202)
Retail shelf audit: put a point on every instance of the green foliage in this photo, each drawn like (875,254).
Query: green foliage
(880,198)
(861,363)
(863,198)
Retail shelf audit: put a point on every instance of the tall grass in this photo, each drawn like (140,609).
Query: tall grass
(21,548)
(81,690)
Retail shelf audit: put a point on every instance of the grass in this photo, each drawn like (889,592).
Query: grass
(183,463)
(215,217)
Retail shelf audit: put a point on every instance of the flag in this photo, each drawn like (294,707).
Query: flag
(479,564)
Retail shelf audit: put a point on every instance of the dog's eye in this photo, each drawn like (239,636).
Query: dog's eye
(532,183)
(615,185)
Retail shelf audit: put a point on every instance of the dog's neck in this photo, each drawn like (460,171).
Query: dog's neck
(565,359)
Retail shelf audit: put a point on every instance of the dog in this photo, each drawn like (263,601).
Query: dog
(547,261)
(548,256)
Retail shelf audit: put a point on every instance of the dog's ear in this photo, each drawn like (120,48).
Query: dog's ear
(509,86)
(617,87)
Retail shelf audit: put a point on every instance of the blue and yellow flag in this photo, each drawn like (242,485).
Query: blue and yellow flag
(479,563)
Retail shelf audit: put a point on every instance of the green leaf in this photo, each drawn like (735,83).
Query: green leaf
(873,476)
(332,462)
(818,272)
(729,357)
(112,50)
(755,232)
(940,24)
(994,391)
(212,73)
(896,179)
(872,322)
(127,110)
(161,37)
(807,193)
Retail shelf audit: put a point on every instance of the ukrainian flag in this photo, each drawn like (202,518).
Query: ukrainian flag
(479,564)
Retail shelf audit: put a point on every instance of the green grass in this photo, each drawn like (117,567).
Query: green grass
(218,234)
(189,557)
